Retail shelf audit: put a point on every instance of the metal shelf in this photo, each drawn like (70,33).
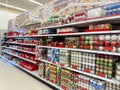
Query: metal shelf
(88,74)
(87,22)
(34,73)
(70,34)
(20,43)
(83,50)
(20,57)
(19,50)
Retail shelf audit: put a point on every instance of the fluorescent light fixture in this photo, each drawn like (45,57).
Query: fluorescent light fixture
(13,7)
(35,2)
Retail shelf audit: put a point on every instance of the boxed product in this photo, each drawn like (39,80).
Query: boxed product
(65,79)
(105,65)
(76,60)
(112,10)
(95,13)
(72,42)
(53,74)
(67,30)
(80,16)
(64,58)
(41,70)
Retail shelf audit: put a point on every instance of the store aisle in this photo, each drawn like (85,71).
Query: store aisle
(12,78)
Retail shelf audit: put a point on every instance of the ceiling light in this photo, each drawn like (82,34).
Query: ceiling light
(35,2)
(13,7)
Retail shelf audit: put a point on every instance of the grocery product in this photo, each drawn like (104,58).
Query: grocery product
(67,30)
(112,10)
(64,58)
(65,78)
(105,65)
(42,53)
(80,16)
(95,13)
(29,66)
(76,60)
(88,62)
(55,56)
(117,71)
(12,33)
(41,70)
(46,31)
(99,27)
(108,42)
(112,86)
(74,81)
(53,74)
(72,42)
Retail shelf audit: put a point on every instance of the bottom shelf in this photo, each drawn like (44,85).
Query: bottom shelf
(34,73)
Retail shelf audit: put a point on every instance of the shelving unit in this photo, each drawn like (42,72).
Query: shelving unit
(92,75)
(83,50)
(20,57)
(114,19)
(19,50)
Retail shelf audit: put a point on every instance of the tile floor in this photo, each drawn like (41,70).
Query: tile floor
(12,78)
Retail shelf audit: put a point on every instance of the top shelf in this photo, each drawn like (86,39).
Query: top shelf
(112,19)
(30,24)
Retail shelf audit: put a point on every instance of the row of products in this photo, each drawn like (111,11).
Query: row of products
(67,30)
(98,27)
(24,64)
(28,41)
(99,64)
(23,55)
(29,66)
(101,42)
(106,26)
(69,80)
(30,49)
(105,11)
(108,42)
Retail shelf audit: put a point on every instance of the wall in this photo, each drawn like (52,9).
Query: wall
(5,15)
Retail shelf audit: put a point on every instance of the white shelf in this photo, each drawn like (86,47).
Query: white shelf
(20,57)
(83,50)
(88,74)
(73,34)
(83,22)
(34,73)
(27,44)
(19,50)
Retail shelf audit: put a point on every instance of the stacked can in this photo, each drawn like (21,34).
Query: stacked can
(112,86)
(105,65)
(95,84)
(83,83)
(64,58)
(117,71)
(76,60)
(88,62)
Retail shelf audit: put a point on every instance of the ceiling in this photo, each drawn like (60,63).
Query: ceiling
(25,4)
